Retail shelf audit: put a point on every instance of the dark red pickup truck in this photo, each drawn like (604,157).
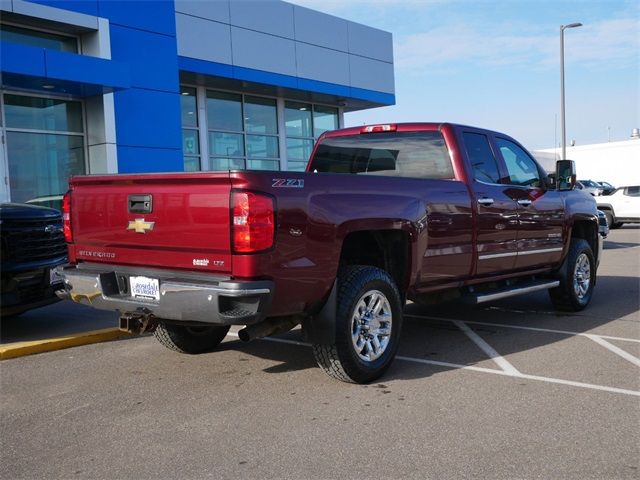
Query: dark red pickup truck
(384,213)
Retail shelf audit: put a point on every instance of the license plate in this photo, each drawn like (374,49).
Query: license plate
(54,277)
(145,287)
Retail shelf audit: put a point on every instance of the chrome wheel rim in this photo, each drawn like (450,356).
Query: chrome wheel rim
(371,325)
(582,276)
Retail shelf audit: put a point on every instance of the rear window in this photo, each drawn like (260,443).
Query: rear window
(398,154)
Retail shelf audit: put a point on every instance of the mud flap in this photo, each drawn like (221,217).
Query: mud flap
(321,328)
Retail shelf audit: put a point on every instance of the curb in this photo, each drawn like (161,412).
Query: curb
(21,349)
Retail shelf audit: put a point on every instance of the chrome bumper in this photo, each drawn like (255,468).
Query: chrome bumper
(183,297)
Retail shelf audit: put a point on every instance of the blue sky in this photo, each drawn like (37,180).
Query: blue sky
(495,64)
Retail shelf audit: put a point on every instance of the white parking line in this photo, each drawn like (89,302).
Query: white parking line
(613,348)
(588,386)
(488,349)
(519,327)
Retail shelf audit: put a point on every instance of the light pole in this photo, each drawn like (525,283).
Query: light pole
(562,119)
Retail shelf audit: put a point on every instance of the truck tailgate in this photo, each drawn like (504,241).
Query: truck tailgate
(181,220)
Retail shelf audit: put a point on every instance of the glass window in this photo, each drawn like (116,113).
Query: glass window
(260,115)
(483,162)
(35,38)
(226,163)
(632,191)
(324,118)
(261,146)
(188,107)
(405,154)
(263,164)
(224,111)
(36,113)
(190,145)
(299,149)
(40,164)
(226,144)
(297,119)
(522,169)
(45,145)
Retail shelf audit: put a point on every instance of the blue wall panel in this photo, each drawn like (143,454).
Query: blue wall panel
(153,58)
(151,15)
(145,118)
(22,59)
(86,70)
(146,160)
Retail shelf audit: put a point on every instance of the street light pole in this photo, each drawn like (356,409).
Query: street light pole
(562,117)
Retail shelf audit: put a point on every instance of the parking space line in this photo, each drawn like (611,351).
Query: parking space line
(519,327)
(613,348)
(488,349)
(559,381)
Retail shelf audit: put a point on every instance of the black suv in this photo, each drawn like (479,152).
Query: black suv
(32,246)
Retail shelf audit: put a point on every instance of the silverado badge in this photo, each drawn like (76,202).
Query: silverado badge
(140,226)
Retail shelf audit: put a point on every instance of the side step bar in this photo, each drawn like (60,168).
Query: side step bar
(476,298)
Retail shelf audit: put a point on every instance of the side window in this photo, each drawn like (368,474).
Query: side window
(522,169)
(632,191)
(485,167)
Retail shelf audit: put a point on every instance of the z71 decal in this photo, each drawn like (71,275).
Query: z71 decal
(288,183)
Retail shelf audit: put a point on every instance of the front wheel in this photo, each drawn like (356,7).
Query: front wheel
(186,339)
(368,324)
(577,278)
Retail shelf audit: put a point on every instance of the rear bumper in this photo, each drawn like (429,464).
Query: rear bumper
(183,297)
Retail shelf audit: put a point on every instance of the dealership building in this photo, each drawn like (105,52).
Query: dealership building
(102,86)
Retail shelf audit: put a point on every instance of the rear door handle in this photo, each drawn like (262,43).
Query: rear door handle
(525,202)
(486,201)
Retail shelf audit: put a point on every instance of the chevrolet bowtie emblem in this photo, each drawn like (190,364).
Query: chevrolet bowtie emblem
(140,226)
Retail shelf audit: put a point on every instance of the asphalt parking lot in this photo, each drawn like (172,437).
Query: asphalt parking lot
(509,390)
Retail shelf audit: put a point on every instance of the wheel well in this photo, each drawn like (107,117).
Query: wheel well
(385,249)
(588,231)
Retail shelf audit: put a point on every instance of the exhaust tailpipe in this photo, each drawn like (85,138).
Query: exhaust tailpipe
(270,326)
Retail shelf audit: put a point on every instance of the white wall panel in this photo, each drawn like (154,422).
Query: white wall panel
(217,10)
(203,39)
(263,52)
(371,74)
(370,42)
(320,29)
(325,65)
(271,17)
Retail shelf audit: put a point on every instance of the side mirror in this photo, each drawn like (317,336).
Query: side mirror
(565,175)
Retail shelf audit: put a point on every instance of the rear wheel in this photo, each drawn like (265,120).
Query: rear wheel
(192,340)
(368,324)
(577,278)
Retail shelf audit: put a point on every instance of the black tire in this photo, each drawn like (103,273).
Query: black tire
(359,289)
(191,340)
(609,216)
(617,225)
(577,277)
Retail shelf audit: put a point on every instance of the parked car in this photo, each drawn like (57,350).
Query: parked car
(32,246)
(607,188)
(384,213)
(622,206)
(591,187)
(603,224)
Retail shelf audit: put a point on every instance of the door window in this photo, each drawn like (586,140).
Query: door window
(522,169)
(483,162)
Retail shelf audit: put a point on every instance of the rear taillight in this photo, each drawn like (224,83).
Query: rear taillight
(66,217)
(253,222)
(379,128)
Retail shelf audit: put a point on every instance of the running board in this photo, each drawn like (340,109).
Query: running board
(476,298)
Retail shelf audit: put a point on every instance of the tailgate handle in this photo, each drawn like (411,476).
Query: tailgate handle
(140,203)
